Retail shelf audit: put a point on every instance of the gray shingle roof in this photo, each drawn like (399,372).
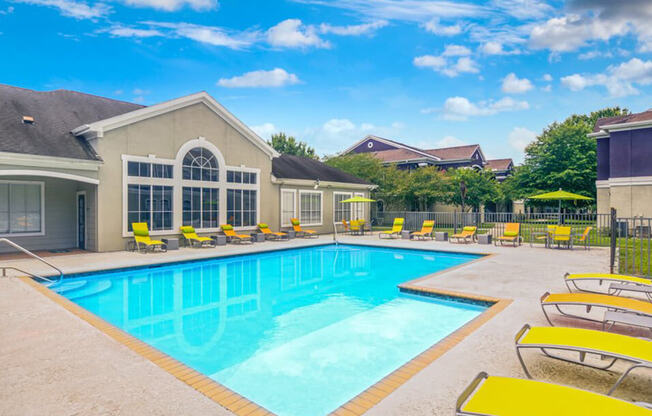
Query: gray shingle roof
(296,167)
(55,114)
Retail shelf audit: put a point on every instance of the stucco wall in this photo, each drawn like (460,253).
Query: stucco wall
(631,201)
(163,136)
(603,200)
(60,215)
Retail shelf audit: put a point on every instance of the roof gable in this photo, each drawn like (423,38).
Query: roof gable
(389,143)
(98,128)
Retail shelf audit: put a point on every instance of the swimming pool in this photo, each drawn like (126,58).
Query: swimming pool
(297,331)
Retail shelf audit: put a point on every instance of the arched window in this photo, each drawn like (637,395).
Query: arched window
(200,164)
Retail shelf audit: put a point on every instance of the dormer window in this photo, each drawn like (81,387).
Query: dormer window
(28,120)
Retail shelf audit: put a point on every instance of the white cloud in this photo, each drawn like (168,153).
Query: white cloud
(338,125)
(398,125)
(460,108)
(456,50)
(256,79)
(546,88)
(515,85)
(449,67)
(211,35)
(76,9)
(265,130)
(547,77)
(619,80)
(405,10)
(524,9)
(520,137)
(338,133)
(292,33)
(588,21)
(173,5)
(353,30)
(8,10)
(130,32)
(435,27)
(450,141)
(496,48)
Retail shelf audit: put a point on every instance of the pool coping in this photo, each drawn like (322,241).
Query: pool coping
(241,405)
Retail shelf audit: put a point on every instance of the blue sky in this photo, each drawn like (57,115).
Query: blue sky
(428,73)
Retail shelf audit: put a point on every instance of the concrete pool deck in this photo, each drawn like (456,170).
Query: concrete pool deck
(55,363)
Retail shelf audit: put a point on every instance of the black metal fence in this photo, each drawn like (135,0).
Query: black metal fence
(630,243)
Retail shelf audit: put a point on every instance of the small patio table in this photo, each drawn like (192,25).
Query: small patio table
(539,233)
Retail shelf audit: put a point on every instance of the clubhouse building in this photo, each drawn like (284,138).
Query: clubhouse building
(624,176)
(77,169)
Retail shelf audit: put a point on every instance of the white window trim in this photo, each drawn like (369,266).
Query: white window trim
(321,208)
(335,203)
(248,227)
(29,234)
(177,182)
(294,208)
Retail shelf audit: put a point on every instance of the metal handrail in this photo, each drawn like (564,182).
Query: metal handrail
(29,253)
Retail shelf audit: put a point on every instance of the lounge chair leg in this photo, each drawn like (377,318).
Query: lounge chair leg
(520,359)
(625,374)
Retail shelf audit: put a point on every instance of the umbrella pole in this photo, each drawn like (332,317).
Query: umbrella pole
(559,214)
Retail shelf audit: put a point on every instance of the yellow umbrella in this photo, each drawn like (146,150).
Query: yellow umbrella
(560,195)
(357,199)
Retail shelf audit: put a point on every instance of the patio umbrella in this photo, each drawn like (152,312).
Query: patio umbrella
(560,195)
(356,199)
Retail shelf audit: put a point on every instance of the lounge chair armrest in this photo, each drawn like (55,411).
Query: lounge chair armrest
(521,332)
(544,296)
(468,390)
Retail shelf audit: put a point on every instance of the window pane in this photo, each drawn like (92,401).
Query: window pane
(253,178)
(132,169)
(237,178)
(229,176)
(144,198)
(186,172)
(145,170)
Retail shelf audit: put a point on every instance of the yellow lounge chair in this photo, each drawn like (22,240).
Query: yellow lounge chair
(585,238)
(467,234)
(143,241)
(591,300)
(232,237)
(426,231)
(271,235)
(621,281)
(545,237)
(511,234)
(193,239)
(301,232)
(585,341)
(397,227)
(504,396)
(562,236)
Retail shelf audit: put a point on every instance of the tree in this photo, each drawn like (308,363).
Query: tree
(470,188)
(562,156)
(423,187)
(288,145)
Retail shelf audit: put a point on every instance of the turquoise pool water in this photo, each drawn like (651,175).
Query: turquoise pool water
(299,332)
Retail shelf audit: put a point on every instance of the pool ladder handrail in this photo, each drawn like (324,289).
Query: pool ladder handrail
(29,253)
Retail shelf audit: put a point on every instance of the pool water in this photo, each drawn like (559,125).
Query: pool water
(299,332)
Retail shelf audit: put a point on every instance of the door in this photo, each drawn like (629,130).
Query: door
(81,220)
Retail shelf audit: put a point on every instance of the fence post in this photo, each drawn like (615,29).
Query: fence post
(614,239)
(455,222)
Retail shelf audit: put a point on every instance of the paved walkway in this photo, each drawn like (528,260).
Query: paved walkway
(52,362)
